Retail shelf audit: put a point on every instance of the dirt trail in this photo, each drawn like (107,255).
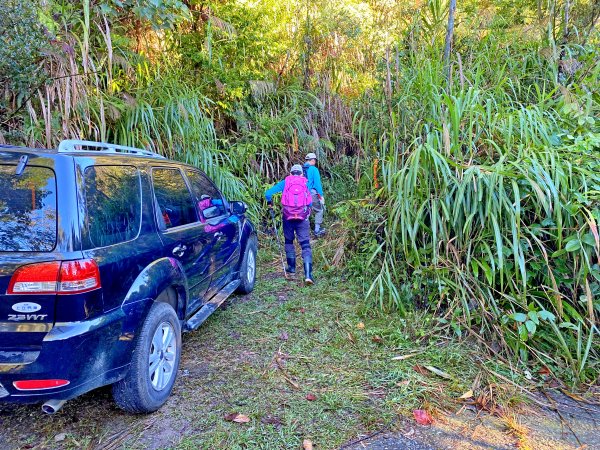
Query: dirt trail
(540,428)
(228,366)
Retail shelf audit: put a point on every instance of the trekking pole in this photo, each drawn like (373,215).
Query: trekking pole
(278,242)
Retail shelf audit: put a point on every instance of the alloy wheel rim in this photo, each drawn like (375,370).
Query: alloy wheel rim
(163,351)
(251,266)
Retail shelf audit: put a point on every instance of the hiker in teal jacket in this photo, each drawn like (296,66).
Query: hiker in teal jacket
(316,190)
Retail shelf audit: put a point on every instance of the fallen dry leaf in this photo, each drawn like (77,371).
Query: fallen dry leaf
(360,326)
(422,417)
(307,444)
(60,437)
(467,394)
(403,383)
(544,371)
(419,369)
(377,339)
(311,397)
(241,419)
(237,418)
(575,397)
(403,357)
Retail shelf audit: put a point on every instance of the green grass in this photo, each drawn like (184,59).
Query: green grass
(327,353)
(337,349)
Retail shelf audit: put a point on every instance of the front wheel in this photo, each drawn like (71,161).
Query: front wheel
(154,363)
(248,269)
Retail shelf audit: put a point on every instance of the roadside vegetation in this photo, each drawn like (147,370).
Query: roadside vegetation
(467,188)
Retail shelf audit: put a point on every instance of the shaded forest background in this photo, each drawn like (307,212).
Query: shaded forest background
(467,185)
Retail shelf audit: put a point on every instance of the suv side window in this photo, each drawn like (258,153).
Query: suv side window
(210,201)
(113,201)
(173,198)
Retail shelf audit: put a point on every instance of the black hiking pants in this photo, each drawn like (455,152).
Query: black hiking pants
(299,229)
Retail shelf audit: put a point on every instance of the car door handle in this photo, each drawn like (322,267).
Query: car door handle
(179,250)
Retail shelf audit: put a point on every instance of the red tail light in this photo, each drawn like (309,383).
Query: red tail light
(78,276)
(38,385)
(68,277)
(35,279)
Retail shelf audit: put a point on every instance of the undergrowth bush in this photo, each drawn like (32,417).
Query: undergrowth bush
(491,192)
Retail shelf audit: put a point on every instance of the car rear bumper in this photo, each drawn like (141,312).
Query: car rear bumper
(88,354)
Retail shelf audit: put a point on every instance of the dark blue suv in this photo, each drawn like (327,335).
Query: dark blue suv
(108,253)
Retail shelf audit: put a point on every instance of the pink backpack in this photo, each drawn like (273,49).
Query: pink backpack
(296,198)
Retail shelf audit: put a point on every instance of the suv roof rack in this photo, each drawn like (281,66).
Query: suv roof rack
(73,145)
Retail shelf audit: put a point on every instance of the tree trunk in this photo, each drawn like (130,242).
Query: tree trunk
(449,35)
(308,50)
(563,52)
(567,14)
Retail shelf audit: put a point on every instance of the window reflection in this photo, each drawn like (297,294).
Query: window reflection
(27,209)
(210,201)
(173,198)
(113,204)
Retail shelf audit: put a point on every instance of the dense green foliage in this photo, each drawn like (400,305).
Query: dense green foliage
(470,186)
(490,191)
(493,211)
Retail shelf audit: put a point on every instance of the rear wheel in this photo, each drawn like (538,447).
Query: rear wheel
(154,363)
(248,269)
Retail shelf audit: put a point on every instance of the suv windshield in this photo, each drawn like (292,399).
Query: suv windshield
(27,209)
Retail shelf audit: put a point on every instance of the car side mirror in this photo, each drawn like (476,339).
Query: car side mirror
(211,212)
(238,208)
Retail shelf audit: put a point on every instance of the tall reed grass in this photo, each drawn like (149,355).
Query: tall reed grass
(491,186)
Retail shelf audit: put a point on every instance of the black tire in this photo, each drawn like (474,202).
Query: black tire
(247,277)
(136,392)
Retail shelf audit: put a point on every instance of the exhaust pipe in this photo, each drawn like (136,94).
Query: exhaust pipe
(52,406)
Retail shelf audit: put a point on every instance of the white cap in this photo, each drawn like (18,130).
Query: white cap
(310,156)
(296,168)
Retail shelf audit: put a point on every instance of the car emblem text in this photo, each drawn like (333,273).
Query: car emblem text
(26,307)
(20,317)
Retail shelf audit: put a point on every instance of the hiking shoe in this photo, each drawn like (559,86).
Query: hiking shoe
(320,233)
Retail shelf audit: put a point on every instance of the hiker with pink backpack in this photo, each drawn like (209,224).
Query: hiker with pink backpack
(296,202)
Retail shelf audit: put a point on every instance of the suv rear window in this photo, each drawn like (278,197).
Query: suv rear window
(113,202)
(27,209)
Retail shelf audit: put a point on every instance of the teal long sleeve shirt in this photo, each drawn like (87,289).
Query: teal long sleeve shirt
(274,190)
(314,178)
